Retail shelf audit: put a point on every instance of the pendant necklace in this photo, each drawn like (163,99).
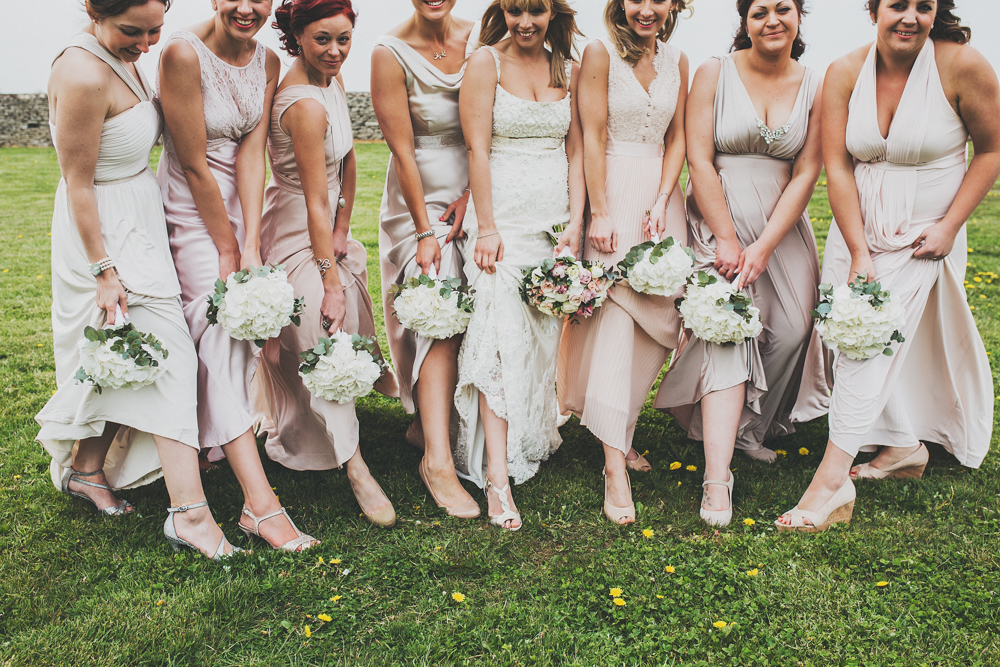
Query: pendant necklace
(438,55)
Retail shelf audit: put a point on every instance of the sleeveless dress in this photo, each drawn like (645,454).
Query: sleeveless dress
(787,360)
(609,362)
(315,434)
(135,236)
(510,349)
(233,102)
(444,172)
(937,385)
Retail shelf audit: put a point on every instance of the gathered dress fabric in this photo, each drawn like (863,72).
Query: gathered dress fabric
(443,163)
(510,349)
(937,385)
(315,434)
(233,100)
(135,237)
(609,361)
(785,367)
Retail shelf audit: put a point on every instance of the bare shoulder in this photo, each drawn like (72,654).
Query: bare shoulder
(962,61)
(179,54)
(707,73)
(78,70)
(596,51)
(480,61)
(844,71)
(272,63)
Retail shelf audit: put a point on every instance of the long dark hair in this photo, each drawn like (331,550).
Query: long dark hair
(102,9)
(559,36)
(947,26)
(742,40)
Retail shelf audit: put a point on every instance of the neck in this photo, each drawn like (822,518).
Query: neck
(893,61)
(648,44)
(223,44)
(520,52)
(769,63)
(317,78)
(437,31)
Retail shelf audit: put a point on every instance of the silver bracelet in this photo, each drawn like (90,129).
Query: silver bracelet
(483,236)
(97,268)
(423,235)
(324,264)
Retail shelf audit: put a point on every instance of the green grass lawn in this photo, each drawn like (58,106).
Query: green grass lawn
(79,590)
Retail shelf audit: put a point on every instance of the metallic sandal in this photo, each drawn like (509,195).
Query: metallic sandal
(296,544)
(638,464)
(507,514)
(170,532)
(74,475)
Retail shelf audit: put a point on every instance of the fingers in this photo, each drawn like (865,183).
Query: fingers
(500,253)
(448,211)
(456,230)
(614,241)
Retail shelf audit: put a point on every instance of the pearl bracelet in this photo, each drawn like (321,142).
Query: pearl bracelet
(97,268)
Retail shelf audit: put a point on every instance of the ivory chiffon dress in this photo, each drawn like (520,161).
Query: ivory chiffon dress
(785,367)
(609,362)
(937,385)
(315,434)
(135,237)
(443,164)
(233,100)
(510,349)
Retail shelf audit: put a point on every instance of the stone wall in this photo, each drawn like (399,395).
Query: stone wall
(24,119)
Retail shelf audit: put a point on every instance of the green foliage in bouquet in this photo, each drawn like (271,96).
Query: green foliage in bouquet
(738,302)
(861,289)
(128,342)
(242,276)
(325,345)
(657,251)
(448,285)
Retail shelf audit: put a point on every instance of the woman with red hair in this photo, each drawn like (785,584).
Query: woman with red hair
(306,227)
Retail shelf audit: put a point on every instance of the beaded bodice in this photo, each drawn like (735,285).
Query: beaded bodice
(633,114)
(515,118)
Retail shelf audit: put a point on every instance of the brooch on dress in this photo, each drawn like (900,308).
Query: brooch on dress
(770,135)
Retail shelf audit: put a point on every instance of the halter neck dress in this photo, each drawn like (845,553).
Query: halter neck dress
(784,368)
(135,237)
(937,386)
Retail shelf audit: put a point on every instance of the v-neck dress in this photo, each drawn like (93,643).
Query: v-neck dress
(784,368)
(937,386)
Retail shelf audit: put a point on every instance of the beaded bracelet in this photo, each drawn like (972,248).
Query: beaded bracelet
(97,268)
(423,235)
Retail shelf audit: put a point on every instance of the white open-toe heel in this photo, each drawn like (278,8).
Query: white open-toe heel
(170,532)
(300,542)
(719,517)
(507,514)
(838,509)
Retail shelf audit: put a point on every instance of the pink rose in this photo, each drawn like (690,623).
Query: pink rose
(585,276)
(561,289)
(547,286)
(559,271)
(588,294)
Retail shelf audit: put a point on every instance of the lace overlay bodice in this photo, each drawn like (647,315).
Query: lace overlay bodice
(514,118)
(633,114)
(233,97)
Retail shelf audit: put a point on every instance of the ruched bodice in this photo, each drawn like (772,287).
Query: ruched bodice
(635,115)
(126,140)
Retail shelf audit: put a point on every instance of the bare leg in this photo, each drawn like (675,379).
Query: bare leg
(258,496)
(496,459)
(619,489)
(721,412)
(830,476)
(435,396)
(180,472)
(367,491)
(90,456)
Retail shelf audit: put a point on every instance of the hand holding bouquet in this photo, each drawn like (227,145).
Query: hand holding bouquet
(858,319)
(657,267)
(255,304)
(715,311)
(566,287)
(120,356)
(341,368)
(433,307)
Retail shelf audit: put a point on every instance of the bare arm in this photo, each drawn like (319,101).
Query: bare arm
(183,111)
(475,104)
(673,157)
(577,182)
(593,109)
(792,202)
(707,188)
(251,170)
(348,190)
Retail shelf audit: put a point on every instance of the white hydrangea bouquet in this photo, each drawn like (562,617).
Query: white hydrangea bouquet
(255,303)
(433,307)
(657,267)
(858,319)
(120,356)
(715,311)
(564,286)
(341,368)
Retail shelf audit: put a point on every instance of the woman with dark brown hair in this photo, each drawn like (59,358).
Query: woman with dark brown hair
(897,117)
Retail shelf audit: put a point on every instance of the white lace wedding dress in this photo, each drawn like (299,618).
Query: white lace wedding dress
(510,349)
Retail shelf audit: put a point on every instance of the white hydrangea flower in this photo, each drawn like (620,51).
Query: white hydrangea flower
(343,373)
(259,308)
(423,310)
(704,312)
(855,327)
(109,369)
(664,277)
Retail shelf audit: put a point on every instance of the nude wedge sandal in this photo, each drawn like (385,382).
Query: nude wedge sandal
(838,509)
(912,467)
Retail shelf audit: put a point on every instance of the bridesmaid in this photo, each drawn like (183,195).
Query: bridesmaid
(417,70)
(110,250)
(630,88)
(526,167)
(313,165)
(215,86)
(754,156)
(895,148)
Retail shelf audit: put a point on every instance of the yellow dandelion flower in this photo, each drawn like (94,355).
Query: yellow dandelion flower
(977,279)
(38,277)
(619,602)
(335,598)
(307,632)
(645,452)
(972,307)
(781,452)
(321,561)
(748,522)
(982,296)
(6,270)
(673,466)
(335,561)
(753,573)
(325,618)
(159,603)
(659,597)
(438,548)
(615,592)
(670,569)
(971,250)
(691,468)
(882,584)
(678,483)
(16,477)
(803,451)
(719,624)
(20,236)
(647,533)
(458,597)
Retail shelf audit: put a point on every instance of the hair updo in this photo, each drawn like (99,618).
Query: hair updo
(102,9)
(294,15)
(947,26)
(742,40)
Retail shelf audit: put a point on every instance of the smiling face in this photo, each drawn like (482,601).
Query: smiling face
(647,17)
(325,45)
(434,10)
(905,25)
(242,19)
(528,26)
(130,34)
(773,25)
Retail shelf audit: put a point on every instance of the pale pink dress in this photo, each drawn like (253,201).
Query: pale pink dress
(784,368)
(937,385)
(609,362)
(315,434)
(233,102)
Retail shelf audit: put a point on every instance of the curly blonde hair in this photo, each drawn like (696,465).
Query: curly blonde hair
(625,39)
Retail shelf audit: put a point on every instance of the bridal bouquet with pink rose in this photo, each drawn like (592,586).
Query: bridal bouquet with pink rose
(564,286)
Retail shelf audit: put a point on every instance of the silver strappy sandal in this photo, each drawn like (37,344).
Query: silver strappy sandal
(73,475)
(170,532)
(300,543)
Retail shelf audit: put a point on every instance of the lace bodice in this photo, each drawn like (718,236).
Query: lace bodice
(515,118)
(633,114)
(233,97)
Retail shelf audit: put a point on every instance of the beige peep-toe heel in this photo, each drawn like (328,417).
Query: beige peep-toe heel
(838,509)
(467,510)
(617,514)
(638,464)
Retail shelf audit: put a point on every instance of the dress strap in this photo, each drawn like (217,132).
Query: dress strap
(89,43)
(496,59)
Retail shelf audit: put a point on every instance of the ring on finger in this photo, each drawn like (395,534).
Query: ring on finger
(325,323)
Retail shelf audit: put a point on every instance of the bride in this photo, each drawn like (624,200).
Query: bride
(518,111)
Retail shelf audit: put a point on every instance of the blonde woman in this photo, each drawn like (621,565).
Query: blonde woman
(632,92)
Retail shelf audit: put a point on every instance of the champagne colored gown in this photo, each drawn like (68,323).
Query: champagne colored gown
(785,367)
(233,100)
(609,362)
(937,385)
(135,237)
(510,349)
